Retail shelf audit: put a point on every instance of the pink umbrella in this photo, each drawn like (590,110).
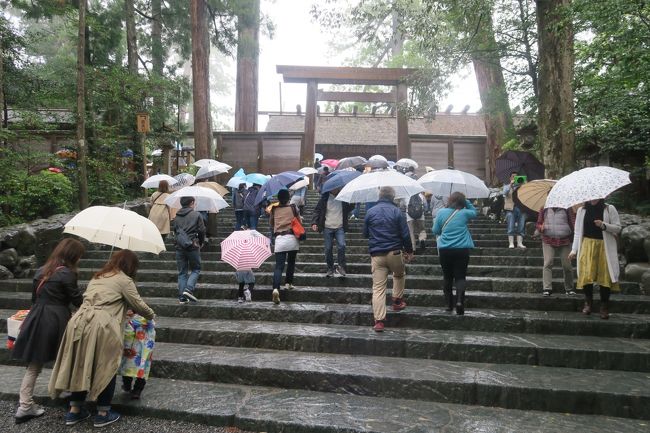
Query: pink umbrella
(245,249)
(331,163)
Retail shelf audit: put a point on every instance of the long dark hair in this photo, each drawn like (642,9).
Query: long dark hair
(163,186)
(125,261)
(67,253)
(456,200)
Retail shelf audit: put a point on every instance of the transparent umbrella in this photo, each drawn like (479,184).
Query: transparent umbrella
(365,188)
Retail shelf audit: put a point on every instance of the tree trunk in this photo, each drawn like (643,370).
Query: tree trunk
(248,49)
(494,96)
(3,120)
(158,61)
(131,37)
(201,79)
(526,24)
(81,107)
(555,118)
(397,42)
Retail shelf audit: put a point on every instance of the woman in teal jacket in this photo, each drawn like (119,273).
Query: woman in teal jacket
(454,242)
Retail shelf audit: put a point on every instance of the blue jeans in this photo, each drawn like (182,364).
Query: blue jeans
(239,219)
(290,257)
(250,219)
(356,211)
(516,217)
(187,260)
(339,234)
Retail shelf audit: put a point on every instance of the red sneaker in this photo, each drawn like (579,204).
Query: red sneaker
(379,326)
(398,304)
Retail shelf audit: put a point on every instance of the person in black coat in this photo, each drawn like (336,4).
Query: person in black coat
(330,217)
(53,290)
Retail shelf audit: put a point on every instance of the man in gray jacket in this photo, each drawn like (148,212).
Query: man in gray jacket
(188,225)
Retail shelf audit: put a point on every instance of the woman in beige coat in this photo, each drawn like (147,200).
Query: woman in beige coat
(91,349)
(160,213)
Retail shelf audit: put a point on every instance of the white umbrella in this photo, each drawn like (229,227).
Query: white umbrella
(378,157)
(154,181)
(234,182)
(117,227)
(444,182)
(590,183)
(208,161)
(308,170)
(184,179)
(205,199)
(157,152)
(366,187)
(300,184)
(407,162)
(212,169)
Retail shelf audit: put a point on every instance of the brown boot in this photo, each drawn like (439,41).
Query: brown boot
(587,308)
(604,310)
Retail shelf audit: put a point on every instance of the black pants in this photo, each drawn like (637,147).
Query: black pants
(280,258)
(453,262)
(604,292)
(128,381)
(103,399)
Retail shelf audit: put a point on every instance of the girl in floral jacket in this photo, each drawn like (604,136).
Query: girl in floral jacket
(139,341)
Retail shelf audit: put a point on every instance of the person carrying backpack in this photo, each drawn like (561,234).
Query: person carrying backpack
(189,229)
(251,210)
(415,222)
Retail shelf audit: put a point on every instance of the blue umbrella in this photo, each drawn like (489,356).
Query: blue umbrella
(339,179)
(257,178)
(276,183)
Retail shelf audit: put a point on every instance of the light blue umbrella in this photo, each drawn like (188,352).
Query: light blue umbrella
(257,178)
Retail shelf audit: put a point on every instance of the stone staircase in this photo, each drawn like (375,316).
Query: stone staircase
(516,362)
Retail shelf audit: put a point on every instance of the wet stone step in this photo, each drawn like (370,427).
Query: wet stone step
(299,411)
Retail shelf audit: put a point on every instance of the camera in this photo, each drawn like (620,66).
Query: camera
(519,180)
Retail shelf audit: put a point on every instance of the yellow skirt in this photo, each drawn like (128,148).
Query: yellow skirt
(592,263)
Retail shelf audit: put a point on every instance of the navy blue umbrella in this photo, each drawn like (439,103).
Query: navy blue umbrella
(276,183)
(339,179)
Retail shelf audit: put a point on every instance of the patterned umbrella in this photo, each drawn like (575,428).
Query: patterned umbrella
(590,183)
(523,163)
(245,249)
(184,179)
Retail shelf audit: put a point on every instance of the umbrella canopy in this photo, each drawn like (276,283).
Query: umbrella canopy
(331,163)
(339,179)
(352,161)
(378,158)
(532,195)
(365,188)
(214,186)
(308,170)
(523,163)
(184,179)
(280,181)
(300,184)
(234,182)
(257,178)
(208,161)
(205,199)
(116,227)
(590,183)
(377,164)
(245,249)
(444,182)
(406,163)
(154,181)
(318,156)
(212,169)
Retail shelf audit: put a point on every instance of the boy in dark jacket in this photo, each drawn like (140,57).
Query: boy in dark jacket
(190,222)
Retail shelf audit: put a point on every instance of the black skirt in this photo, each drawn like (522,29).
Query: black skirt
(41,333)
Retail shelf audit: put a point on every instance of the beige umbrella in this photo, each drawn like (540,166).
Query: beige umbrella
(117,227)
(214,186)
(533,194)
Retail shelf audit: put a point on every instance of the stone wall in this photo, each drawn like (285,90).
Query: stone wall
(24,247)
(635,248)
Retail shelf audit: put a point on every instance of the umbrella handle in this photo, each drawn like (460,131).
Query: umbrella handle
(116,238)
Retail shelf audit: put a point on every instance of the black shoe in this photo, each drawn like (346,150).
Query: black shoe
(460,309)
(189,295)
(422,246)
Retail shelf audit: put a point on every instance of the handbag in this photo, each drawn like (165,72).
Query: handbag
(296,226)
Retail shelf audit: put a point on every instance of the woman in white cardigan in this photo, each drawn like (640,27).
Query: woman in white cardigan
(594,243)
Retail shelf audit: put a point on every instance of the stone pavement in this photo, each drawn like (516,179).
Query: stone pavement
(515,362)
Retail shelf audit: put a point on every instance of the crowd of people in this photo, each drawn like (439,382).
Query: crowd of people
(112,331)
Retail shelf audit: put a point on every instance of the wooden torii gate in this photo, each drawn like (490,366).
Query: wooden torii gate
(313,75)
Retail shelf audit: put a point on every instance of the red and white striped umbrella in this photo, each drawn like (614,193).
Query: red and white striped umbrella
(245,249)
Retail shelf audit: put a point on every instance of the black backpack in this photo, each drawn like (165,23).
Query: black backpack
(415,208)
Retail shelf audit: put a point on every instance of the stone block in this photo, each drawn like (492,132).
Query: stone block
(5,274)
(9,258)
(635,271)
(632,242)
(22,238)
(645,282)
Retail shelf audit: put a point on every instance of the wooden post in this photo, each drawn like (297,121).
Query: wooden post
(403,141)
(308,148)
(450,152)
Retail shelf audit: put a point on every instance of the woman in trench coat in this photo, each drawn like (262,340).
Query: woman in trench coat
(91,350)
(160,214)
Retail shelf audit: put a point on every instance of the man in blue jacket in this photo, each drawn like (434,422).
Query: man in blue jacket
(389,245)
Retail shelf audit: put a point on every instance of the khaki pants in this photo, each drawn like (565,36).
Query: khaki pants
(381,267)
(27,386)
(547,273)
(416,227)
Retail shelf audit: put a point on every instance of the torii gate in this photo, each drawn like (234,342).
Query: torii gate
(313,75)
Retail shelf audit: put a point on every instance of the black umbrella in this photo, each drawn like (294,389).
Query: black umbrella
(352,161)
(524,163)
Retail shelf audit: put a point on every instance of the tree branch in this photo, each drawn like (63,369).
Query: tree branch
(142,14)
(143,63)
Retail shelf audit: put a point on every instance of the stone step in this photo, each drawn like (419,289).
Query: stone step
(499,232)
(361,295)
(621,325)
(470,346)
(300,411)
(498,242)
(319,267)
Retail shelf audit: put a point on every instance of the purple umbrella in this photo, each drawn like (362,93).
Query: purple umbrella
(524,163)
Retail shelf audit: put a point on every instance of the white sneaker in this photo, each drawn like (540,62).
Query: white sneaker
(25,415)
(240,299)
(289,286)
(247,295)
(276,296)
